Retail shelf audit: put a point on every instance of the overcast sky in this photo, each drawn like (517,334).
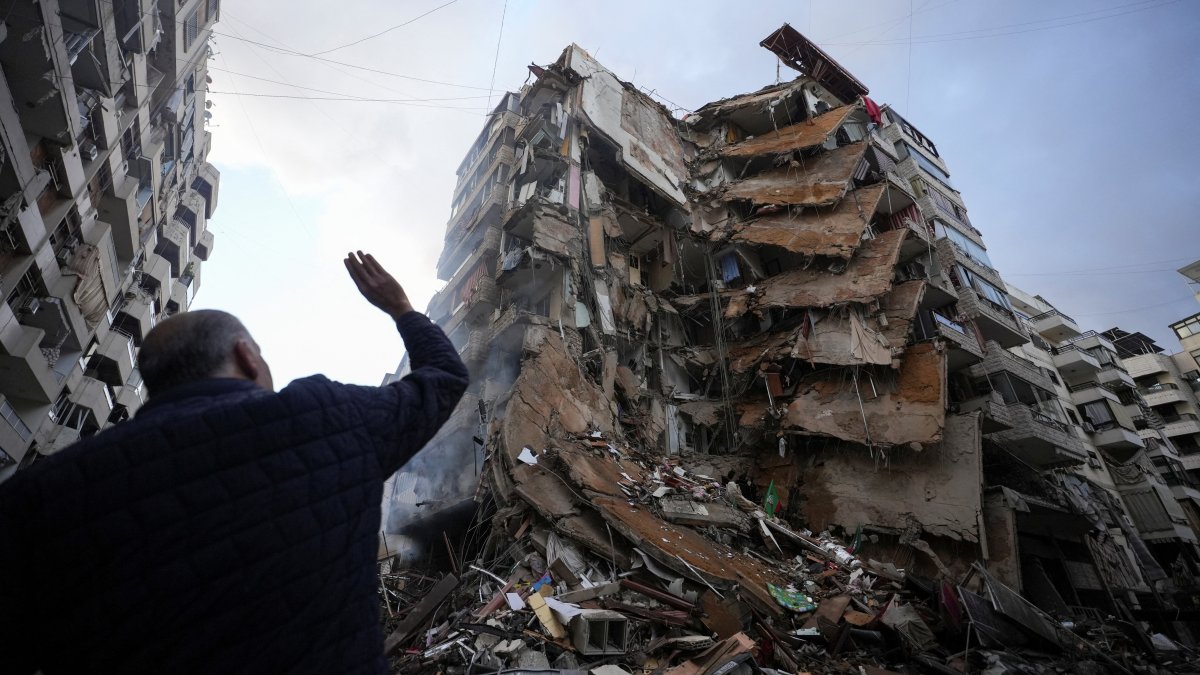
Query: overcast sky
(1069,127)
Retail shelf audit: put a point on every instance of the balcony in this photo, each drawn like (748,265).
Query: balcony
(137,316)
(461,226)
(15,435)
(1183,424)
(25,372)
(966,350)
(1115,437)
(1162,393)
(204,245)
(93,396)
(1074,363)
(475,350)
(995,415)
(132,394)
(115,358)
(1055,326)
(1147,364)
(1086,392)
(1041,440)
(1114,377)
(483,299)
(999,360)
(156,274)
(996,322)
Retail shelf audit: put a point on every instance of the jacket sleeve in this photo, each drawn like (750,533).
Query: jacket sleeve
(17,654)
(405,414)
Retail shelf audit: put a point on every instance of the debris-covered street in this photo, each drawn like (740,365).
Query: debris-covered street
(621,562)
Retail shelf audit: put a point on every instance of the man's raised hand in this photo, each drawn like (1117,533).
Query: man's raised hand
(376,285)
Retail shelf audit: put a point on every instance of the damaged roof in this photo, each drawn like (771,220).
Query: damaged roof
(801,54)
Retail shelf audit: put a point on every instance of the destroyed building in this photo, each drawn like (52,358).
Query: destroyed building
(105,192)
(695,342)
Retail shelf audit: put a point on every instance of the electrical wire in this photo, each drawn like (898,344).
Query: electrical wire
(292,52)
(402,76)
(385,31)
(496,60)
(334,93)
(981,33)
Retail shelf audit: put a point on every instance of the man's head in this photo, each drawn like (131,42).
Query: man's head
(200,345)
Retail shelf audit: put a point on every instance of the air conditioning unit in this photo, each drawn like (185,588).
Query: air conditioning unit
(64,256)
(1088,427)
(1093,462)
(89,150)
(31,306)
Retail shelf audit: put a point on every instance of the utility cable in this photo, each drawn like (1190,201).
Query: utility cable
(496,60)
(385,31)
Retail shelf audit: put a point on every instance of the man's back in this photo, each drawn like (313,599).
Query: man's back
(225,528)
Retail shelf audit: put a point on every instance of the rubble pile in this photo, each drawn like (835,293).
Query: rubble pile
(738,404)
(663,569)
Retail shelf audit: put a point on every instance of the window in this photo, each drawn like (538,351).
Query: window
(191,28)
(29,285)
(1188,327)
(1098,414)
(973,250)
(984,288)
(929,167)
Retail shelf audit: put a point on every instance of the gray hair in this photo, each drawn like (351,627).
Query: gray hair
(187,347)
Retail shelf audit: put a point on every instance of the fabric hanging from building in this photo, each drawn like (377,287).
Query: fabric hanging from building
(89,290)
(872,110)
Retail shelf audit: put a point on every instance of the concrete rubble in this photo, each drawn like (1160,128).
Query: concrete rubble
(711,439)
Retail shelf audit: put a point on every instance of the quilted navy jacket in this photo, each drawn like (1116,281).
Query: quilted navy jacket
(224,529)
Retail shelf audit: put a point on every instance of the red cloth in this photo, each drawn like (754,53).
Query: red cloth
(872,110)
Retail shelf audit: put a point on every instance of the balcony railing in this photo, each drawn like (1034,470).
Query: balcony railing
(1043,418)
(1180,417)
(18,425)
(1053,312)
(949,323)
(1082,386)
(1155,388)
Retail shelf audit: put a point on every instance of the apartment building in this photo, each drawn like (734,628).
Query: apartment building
(786,286)
(105,193)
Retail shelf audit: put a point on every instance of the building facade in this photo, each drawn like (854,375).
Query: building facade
(105,193)
(786,286)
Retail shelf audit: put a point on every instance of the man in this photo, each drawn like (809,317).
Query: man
(226,528)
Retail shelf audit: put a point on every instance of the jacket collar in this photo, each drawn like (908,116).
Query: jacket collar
(210,388)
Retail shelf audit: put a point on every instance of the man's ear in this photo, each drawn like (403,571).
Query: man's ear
(245,360)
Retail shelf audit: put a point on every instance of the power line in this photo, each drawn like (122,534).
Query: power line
(1108,268)
(1135,309)
(292,52)
(287,46)
(385,31)
(346,96)
(981,33)
(496,60)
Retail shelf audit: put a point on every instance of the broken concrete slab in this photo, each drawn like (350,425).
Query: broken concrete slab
(876,409)
(938,489)
(800,136)
(868,275)
(833,231)
(815,181)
